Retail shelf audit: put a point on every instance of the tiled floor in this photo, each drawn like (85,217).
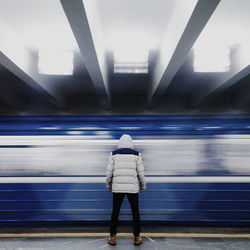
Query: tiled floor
(123,243)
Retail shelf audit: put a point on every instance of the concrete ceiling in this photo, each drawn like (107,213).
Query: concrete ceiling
(132,20)
(170,29)
(39,23)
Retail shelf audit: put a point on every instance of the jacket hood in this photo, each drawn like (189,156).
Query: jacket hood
(125,142)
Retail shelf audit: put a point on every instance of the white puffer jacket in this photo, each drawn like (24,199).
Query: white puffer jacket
(125,172)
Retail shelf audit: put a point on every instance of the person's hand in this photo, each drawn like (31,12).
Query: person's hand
(142,190)
(110,189)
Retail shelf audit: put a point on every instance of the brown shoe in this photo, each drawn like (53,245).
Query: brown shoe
(138,240)
(112,240)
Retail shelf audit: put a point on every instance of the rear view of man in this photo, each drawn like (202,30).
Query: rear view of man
(125,177)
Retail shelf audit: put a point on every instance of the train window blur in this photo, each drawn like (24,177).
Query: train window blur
(78,155)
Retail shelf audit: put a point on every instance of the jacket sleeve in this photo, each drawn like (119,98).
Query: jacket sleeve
(110,169)
(140,173)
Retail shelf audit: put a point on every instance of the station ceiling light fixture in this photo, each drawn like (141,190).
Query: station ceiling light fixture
(52,62)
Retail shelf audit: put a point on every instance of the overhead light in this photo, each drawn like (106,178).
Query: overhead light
(52,62)
(211,59)
(131,49)
(133,54)
(134,61)
(131,70)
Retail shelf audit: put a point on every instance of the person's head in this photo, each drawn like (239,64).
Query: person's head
(125,142)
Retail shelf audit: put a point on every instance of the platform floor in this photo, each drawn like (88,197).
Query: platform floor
(76,238)
(123,243)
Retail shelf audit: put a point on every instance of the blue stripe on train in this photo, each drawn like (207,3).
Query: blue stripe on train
(116,125)
(162,202)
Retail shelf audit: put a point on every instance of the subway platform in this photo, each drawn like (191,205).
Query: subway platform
(96,238)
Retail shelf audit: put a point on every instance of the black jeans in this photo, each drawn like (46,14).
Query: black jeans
(117,202)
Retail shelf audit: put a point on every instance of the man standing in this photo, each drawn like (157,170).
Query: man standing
(125,177)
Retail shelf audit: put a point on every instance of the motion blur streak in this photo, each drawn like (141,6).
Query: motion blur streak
(196,169)
(75,155)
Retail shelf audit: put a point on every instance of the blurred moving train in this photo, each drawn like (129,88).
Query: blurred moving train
(52,169)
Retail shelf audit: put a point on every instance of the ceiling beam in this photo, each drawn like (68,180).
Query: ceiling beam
(220,82)
(83,19)
(18,59)
(179,39)
(242,99)
(222,85)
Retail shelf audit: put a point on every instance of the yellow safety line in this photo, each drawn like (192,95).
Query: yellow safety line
(177,235)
